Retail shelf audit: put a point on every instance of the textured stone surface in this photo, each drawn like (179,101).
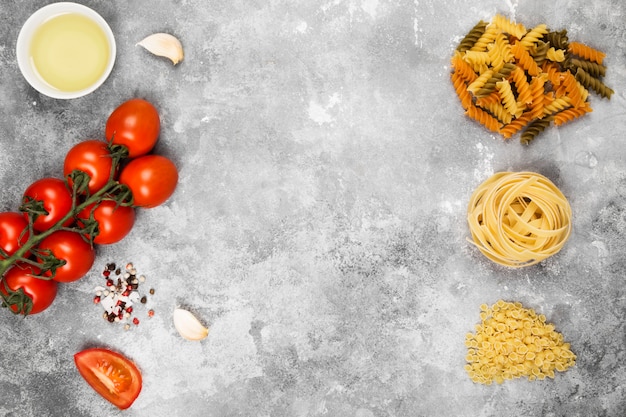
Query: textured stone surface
(319,225)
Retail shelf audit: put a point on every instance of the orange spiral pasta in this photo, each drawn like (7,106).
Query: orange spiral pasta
(486,101)
(483,118)
(524,59)
(570,114)
(463,68)
(516,125)
(538,93)
(571,85)
(461,90)
(586,52)
(518,76)
(553,73)
(512,73)
(518,219)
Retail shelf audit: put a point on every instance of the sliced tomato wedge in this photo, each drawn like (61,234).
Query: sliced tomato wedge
(110,374)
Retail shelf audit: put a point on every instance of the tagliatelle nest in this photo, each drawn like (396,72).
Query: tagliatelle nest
(518,219)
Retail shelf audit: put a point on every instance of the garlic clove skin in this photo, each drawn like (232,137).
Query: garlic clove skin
(188,326)
(165,45)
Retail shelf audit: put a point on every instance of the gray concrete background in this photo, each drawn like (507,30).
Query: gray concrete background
(319,224)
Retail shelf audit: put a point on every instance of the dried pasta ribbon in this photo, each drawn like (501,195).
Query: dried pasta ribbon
(518,219)
(514,342)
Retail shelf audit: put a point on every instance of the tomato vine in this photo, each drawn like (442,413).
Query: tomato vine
(45,262)
(103,179)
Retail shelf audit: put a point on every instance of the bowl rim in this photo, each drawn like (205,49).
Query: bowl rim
(28,29)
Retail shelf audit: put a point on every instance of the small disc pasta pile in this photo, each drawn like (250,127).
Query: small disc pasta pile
(518,219)
(513,342)
(510,78)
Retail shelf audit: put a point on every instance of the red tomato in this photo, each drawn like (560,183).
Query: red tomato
(114,223)
(56,198)
(13,232)
(151,178)
(92,157)
(134,124)
(77,253)
(41,292)
(115,377)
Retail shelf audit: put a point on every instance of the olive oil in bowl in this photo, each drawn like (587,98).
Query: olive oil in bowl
(70,52)
(65,50)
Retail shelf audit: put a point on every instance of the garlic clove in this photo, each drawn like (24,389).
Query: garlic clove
(164,44)
(188,326)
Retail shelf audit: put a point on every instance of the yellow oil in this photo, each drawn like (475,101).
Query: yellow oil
(69,52)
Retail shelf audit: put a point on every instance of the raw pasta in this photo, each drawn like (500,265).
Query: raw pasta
(540,52)
(514,342)
(570,114)
(534,129)
(472,37)
(592,68)
(536,75)
(586,52)
(593,83)
(518,219)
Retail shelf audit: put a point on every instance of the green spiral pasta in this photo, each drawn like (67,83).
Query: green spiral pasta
(472,36)
(593,83)
(540,51)
(534,128)
(592,68)
(557,39)
(490,84)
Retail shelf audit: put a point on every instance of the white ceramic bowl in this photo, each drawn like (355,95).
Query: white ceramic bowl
(30,27)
